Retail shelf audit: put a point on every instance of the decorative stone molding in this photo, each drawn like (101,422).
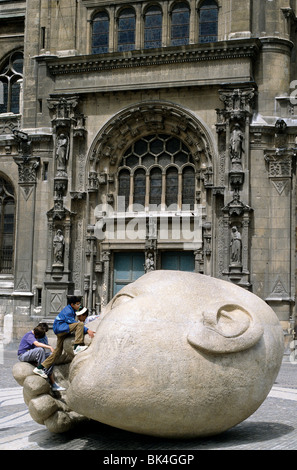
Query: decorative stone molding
(27,167)
(238,103)
(62,109)
(138,120)
(229,50)
(279,163)
(279,293)
(9,123)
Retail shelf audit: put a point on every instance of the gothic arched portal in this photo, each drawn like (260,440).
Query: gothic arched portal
(152,162)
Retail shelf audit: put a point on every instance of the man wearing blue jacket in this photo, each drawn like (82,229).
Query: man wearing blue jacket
(65,323)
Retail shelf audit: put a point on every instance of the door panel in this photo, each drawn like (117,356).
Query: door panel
(127,268)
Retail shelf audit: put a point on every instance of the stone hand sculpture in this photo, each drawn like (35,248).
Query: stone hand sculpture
(175,354)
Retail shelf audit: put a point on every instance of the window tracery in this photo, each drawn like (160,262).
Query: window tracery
(10,76)
(157,172)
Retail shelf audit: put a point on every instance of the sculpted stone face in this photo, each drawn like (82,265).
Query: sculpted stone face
(178,354)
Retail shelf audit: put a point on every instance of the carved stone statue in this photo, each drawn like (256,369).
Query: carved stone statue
(58,244)
(175,354)
(235,245)
(62,152)
(149,263)
(236,146)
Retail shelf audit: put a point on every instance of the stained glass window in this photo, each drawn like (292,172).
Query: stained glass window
(139,187)
(171,188)
(208,21)
(10,75)
(180,22)
(7,210)
(155,187)
(153,28)
(167,164)
(188,190)
(124,189)
(126,30)
(100,33)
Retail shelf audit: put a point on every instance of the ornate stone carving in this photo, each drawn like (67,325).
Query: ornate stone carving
(149,263)
(27,169)
(235,246)
(279,163)
(238,102)
(154,116)
(62,153)
(58,245)
(62,109)
(236,148)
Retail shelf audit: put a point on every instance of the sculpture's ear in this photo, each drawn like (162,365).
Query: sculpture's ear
(225,329)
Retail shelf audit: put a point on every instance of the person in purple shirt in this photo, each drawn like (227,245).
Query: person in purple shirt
(34,348)
(66,323)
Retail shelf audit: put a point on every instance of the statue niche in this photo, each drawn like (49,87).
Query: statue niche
(58,247)
(62,153)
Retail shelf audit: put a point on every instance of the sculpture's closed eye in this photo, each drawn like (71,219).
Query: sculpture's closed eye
(121,299)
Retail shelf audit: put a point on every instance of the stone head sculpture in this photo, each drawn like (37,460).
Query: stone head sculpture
(178,354)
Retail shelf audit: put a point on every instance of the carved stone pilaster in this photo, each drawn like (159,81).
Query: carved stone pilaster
(27,168)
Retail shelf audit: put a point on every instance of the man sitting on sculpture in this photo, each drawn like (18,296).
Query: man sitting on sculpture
(65,323)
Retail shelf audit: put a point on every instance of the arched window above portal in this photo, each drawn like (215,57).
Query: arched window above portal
(153,173)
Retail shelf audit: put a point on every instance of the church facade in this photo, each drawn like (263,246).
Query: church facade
(145,135)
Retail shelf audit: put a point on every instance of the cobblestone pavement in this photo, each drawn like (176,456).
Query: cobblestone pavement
(272,427)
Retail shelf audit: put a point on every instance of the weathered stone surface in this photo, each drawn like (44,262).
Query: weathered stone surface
(35,385)
(59,422)
(178,354)
(21,370)
(42,408)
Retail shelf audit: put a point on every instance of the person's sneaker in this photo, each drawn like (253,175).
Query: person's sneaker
(57,388)
(40,372)
(79,349)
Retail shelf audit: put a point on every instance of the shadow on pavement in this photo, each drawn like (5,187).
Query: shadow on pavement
(99,436)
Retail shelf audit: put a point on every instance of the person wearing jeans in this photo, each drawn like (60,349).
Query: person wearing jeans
(65,324)
(34,351)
